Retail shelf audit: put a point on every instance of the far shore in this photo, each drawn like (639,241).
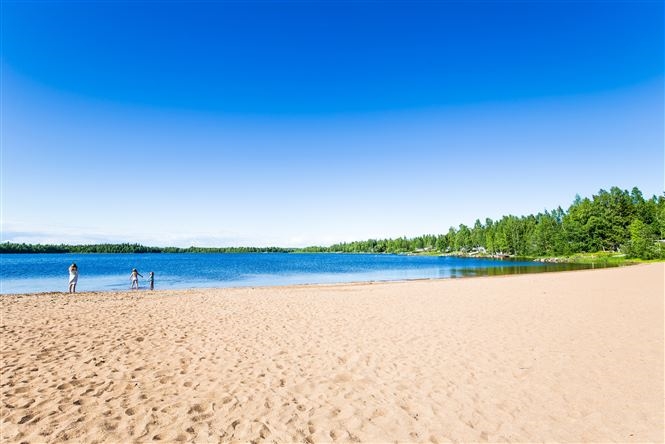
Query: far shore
(565,356)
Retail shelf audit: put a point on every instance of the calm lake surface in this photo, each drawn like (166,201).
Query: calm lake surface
(34,273)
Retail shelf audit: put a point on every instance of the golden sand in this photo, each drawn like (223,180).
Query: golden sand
(570,356)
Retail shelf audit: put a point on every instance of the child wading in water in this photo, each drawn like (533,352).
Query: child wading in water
(134,277)
(151,279)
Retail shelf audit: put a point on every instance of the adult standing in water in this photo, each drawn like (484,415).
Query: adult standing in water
(134,277)
(73,277)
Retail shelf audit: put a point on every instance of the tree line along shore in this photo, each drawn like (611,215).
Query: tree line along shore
(615,222)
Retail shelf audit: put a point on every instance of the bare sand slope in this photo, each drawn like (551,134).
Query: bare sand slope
(574,356)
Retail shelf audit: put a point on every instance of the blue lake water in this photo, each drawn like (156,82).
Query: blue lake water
(34,273)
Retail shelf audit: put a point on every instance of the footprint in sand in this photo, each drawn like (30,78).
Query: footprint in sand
(198,408)
(25,419)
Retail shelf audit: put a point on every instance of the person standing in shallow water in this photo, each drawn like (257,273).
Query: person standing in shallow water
(134,277)
(151,279)
(73,277)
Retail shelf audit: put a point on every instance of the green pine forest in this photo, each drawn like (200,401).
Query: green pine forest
(614,221)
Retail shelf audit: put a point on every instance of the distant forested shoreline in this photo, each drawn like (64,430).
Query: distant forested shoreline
(9,247)
(611,221)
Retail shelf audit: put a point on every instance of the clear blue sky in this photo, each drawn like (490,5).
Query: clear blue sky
(299,123)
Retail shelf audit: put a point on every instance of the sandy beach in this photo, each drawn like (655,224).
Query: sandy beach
(569,357)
